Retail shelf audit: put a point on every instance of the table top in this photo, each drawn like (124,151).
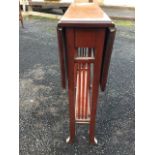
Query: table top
(85,13)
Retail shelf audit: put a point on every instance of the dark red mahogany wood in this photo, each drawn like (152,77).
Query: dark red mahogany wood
(85,38)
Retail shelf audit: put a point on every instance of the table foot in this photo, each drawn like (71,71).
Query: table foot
(94,141)
(69,140)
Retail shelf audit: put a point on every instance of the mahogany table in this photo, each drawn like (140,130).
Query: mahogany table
(85,38)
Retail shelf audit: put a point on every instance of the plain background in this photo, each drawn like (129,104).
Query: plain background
(145,78)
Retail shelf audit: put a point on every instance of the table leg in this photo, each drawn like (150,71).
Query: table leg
(96,81)
(71,93)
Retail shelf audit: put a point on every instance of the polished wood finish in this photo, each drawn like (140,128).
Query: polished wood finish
(61,56)
(85,38)
(85,13)
(82,97)
(107,56)
(100,36)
